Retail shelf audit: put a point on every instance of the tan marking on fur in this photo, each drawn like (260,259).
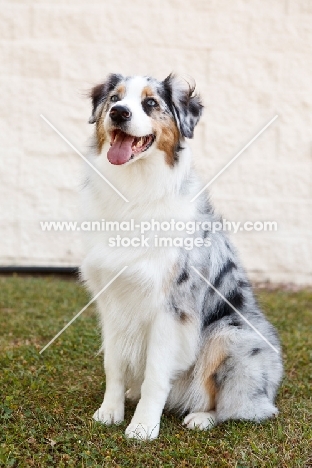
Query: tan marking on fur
(120,90)
(167,138)
(212,391)
(214,354)
(147,92)
(101,136)
(184,317)
(100,133)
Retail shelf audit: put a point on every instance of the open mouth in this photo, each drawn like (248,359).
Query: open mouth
(125,147)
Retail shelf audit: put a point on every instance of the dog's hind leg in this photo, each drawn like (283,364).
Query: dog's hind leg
(240,374)
(247,382)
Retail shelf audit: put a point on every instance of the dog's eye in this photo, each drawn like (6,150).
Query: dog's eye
(115,98)
(151,102)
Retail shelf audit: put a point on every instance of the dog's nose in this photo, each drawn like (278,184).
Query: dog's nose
(120,114)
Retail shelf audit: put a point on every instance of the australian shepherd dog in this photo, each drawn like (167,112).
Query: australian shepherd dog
(181,328)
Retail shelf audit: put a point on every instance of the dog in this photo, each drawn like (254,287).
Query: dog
(181,327)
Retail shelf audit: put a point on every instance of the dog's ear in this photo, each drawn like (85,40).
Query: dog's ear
(99,94)
(185,104)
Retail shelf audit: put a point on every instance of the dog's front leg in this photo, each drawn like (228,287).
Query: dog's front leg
(160,368)
(111,410)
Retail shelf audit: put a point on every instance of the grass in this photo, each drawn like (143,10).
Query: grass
(48,399)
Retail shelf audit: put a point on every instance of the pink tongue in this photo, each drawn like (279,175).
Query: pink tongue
(120,152)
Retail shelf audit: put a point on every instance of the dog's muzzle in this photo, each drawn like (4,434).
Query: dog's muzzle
(120,114)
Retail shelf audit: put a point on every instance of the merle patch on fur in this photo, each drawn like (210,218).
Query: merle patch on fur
(183,277)
(224,373)
(243,284)
(235,323)
(227,268)
(222,309)
(260,392)
(185,105)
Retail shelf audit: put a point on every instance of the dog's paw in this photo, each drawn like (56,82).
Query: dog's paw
(142,431)
(108,416)
(200,420)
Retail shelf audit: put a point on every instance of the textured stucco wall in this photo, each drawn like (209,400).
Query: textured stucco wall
(250,59)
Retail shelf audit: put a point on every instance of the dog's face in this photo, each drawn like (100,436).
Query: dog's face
(138,114)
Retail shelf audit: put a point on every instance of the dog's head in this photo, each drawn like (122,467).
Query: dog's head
(138,114)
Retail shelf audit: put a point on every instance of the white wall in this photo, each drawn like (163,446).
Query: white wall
(250,59)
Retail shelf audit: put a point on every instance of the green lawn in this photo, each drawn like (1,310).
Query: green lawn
(48,399)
